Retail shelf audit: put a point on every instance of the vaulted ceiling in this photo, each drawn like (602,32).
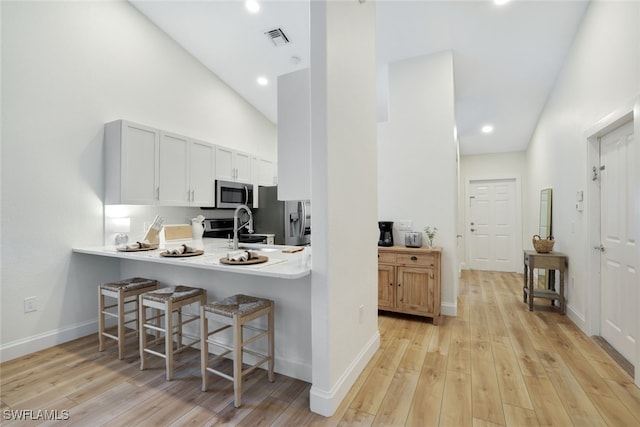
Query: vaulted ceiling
(506,58)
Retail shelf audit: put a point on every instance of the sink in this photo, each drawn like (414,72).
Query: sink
(252,248)
(258,248)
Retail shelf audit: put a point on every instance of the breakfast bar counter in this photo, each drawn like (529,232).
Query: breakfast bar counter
(285,278)
(280,264)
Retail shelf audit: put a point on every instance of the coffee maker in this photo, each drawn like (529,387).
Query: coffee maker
(386,233)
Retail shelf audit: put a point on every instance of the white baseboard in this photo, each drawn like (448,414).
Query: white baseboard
(325,402)
(28,345)
(449,309)
(578,319)
(22,347)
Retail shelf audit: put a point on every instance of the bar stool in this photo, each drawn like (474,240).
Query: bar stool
(235,312)
(122,291)
(170,300)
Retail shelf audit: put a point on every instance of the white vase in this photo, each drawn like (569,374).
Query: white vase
(197,230)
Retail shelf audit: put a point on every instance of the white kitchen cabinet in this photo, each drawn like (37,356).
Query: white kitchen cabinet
(147,166)
(186,171)
(131,163)
(232,165)
(202,174)
(267,173)
(263,172)
(294,136)
(173,184)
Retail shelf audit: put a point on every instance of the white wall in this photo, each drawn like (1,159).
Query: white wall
(343,151)
(600,76)
(417,174)
(489,166)
(68,68)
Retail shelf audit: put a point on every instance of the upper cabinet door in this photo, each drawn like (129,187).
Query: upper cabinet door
(174,170)
(131,163)
(148,166)
(232,165)
(242,163)
(224,164)
(202,175)
(294,136)
(267,173)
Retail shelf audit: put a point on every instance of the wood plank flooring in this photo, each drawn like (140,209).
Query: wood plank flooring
(496,364)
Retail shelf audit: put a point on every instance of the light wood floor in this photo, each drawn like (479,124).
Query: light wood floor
(495,364)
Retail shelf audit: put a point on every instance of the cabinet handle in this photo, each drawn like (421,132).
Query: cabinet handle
(188,196)
(390,284)
(158,193)
(193,195)
(414,258)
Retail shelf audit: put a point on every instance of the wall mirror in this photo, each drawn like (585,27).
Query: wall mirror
(545,230)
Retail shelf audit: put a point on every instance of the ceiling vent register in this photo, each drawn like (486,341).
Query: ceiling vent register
(277,37)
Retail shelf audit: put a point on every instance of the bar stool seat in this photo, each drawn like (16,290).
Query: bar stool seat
(168,300)
(122,291)
(235,312)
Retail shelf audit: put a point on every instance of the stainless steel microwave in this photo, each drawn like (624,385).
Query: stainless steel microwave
(230,195)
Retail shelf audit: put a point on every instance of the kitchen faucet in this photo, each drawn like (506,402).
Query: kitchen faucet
(235,224)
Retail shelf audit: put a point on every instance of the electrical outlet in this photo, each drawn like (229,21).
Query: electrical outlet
(361,314)
(30,304)
(405,225)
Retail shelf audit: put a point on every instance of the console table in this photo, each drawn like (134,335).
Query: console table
(548,261)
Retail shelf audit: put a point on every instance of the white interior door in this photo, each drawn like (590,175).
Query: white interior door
(619,268)
(491,227)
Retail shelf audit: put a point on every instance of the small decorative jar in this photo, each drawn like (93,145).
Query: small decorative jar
(197,229)
(413,239)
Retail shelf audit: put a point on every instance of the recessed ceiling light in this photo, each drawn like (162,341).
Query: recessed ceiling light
(262,81)
(487,129)
(252,6)
(501,2)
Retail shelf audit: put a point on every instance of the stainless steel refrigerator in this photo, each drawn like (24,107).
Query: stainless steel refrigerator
(290,221)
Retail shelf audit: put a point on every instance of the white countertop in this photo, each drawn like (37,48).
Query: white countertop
(281,265)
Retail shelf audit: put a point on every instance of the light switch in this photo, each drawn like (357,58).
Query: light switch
(579,196)
(405,225)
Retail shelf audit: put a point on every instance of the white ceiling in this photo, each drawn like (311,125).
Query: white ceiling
(506,58)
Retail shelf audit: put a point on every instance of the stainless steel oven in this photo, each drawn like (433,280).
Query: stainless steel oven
(222,228)
(230,195)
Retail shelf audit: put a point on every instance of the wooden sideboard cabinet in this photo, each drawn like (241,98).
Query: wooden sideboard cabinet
(409,280)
